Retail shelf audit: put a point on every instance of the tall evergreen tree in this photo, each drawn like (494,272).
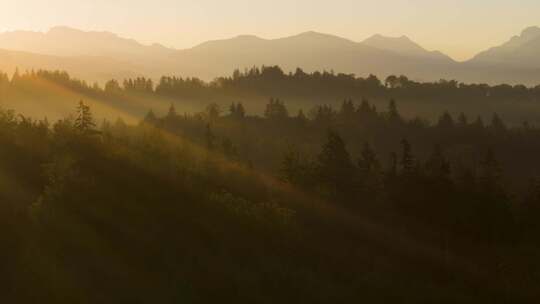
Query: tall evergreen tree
(84,122)
(150,117)
(407,160)
(393,113)
(336,169)
(210,138)
(437,166)
(171,112)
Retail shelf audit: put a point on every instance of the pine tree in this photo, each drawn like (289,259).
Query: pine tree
(276,110)
(347,112)
(393,113)
(368,161)
(369,172)
(497,124)
(295,169)
(237,110)
(16,78)
(437,166)
(213,111)
(301,117)
(150,117)
(84,121)
(336,169)
(446,121)
(407,161)
(490,173)
(240,110)
(210,138)
(462,120)
(228,149)
(172,112)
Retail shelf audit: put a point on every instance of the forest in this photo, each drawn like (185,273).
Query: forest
(339,202)
(130,99)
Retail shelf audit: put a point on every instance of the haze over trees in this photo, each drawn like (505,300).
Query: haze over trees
(275,184)
(341,205)
(131,98)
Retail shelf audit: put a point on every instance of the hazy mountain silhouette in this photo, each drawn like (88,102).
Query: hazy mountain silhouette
(98,56)
(65,41)
(310,51)
(405,46)
(519,51)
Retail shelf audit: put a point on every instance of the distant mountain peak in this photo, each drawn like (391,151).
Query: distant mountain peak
(402,45)
(532,31)
(62,28)
(73,32)
(318,39)
(248,37)
(521,50)
(68,41)
(379,37)
(312,34)
(317,35)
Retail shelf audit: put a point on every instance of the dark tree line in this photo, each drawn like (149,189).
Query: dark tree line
(302,90)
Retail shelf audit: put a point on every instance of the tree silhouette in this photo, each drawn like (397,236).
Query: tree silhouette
(336,169)
(84,121)
(407,160)
(210,138)
(171,113)
(150,117)
(393,114)
(276,110)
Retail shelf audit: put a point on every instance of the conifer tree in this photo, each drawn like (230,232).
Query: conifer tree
(490,173)
(210,138)
(437,166)
(368,161)
(407,161)
(336,169)
(393,113)
(301,117)
(497,124)
(150,117)
(84,121)
(172,112)
(462,120)
(347,112)
(369,172)
(446,121)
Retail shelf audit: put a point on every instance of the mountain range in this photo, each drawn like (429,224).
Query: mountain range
(100,56)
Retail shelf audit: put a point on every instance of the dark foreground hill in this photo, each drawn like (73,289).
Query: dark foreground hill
(171,211)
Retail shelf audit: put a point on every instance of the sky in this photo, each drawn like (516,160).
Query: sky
(459,28)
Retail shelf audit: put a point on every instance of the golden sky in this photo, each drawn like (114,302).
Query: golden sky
(460,28)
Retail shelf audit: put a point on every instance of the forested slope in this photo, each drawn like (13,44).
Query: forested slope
(158,212)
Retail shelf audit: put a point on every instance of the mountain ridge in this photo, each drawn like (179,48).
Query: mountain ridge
(378,54)
(519,50)
(403,45)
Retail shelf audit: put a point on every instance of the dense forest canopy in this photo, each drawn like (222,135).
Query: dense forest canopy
(251,197)
(131,98)
(340,205)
